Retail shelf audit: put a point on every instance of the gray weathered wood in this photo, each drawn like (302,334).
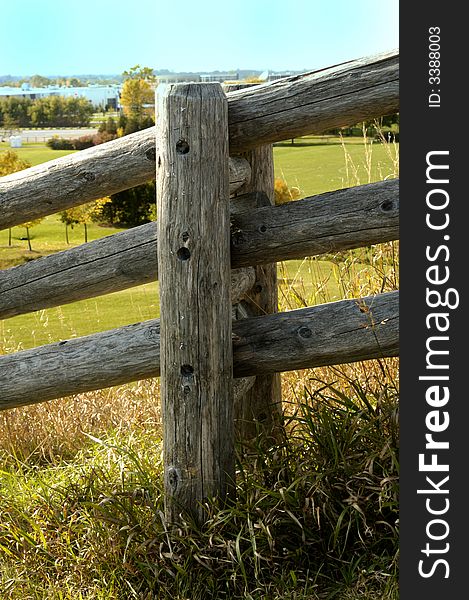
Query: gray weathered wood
(194,270)
(327,334)
(341,95)
(312,103)
(261,408)
(340,220)
(86,175)
(330,222)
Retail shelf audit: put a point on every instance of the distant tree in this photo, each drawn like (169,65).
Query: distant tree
(137,91)
(57,111)
(111,126)
(75,82)
(39,81)
(14,112)
(130,207)
(84,215)
(10,162)
(29,225)
(138,72)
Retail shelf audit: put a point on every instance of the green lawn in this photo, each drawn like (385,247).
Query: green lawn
(316,166)
(36,153)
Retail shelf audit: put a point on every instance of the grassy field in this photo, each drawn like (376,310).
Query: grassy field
(319,164)
(36,154)
(316,512)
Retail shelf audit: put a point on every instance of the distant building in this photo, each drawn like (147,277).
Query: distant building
(221,77)
(102,96)
(274,75)
(178,78)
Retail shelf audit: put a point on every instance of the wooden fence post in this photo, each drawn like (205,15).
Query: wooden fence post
(194,272)
(261,408)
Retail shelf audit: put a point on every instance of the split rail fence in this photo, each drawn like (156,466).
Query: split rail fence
(220,343)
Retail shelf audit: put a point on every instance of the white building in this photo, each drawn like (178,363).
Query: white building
(99,95)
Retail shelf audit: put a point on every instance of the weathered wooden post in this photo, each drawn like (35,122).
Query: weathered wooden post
(261,408)
(194,273)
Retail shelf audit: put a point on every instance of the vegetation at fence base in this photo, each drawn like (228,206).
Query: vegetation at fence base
(315,514)
(50,111)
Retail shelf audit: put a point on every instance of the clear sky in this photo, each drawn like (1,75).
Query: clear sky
(66,37)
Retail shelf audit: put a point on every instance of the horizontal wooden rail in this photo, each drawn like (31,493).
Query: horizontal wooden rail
(340,220)
(341,95)
(333,333)
(312,103)
(86,175)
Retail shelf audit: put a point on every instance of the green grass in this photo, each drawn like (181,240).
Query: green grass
(316,165)
(36,154)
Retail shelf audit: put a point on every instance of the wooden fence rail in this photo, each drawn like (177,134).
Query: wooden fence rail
(331,222)
(332,333)
(312,103)
(217,362)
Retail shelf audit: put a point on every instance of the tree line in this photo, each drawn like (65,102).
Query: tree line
(49,111)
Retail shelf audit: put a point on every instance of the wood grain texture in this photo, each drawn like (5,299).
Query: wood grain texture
(194,269)
(315,102)
(331,222)
(326,334)
(312,103)
(87,175)
(261,408)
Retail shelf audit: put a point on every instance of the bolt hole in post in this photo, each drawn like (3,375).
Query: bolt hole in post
(182,147)
(183,253)
(187,370)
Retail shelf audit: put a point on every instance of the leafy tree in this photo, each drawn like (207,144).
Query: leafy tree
(57,111)
(138,72)
(111,126)
(83,215)
(10,162)
(137,91)
(131,207)
(39,81)
(74,82)
(14,111)
(29,225)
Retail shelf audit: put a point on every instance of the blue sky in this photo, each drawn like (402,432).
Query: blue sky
(53,37)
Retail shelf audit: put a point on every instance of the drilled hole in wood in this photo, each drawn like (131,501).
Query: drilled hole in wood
(182,147)
(151,154)
(262,228)
(183,253)
(387,205)
(305,332)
